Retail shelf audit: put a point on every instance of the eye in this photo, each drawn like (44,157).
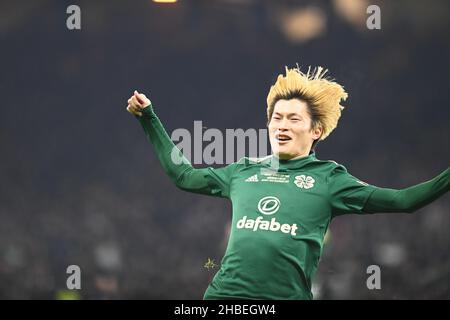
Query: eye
(295,119)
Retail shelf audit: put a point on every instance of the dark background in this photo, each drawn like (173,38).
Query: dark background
(81,185)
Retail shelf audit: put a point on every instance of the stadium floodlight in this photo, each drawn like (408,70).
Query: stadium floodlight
(165,1)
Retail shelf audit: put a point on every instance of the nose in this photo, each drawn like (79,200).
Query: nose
(283,125)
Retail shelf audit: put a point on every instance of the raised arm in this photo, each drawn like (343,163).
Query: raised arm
(208,181)
(409,199)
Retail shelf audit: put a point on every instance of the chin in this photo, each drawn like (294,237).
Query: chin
(284,155)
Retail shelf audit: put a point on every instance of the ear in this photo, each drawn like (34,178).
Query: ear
(317,132)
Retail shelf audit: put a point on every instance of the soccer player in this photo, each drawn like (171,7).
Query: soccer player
(283,203)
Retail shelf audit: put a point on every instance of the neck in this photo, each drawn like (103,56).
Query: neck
(302,155)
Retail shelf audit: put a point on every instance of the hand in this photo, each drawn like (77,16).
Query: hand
(137,102)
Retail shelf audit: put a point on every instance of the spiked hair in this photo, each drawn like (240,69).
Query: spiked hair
(322,95)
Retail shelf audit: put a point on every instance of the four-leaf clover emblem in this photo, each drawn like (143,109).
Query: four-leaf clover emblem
(304,182)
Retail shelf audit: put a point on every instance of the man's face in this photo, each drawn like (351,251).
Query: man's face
(290,130)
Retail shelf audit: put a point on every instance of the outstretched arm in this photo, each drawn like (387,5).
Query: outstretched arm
(408,199)
(205,181)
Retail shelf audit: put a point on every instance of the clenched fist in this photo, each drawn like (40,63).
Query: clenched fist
(137,102)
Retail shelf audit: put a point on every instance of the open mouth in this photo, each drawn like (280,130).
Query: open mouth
(282,138)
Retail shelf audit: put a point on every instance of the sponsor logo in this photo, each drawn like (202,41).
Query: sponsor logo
(267,206)
(272,225)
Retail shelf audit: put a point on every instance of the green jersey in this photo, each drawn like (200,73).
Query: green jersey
(280,216)
(278,224)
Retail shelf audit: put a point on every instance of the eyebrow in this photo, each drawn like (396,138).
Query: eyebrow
(288,115)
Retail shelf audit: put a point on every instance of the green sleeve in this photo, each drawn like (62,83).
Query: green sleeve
(410,199)
(207,181)
(347,194)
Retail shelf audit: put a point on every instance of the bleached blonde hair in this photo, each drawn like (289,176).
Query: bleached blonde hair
(322,95)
